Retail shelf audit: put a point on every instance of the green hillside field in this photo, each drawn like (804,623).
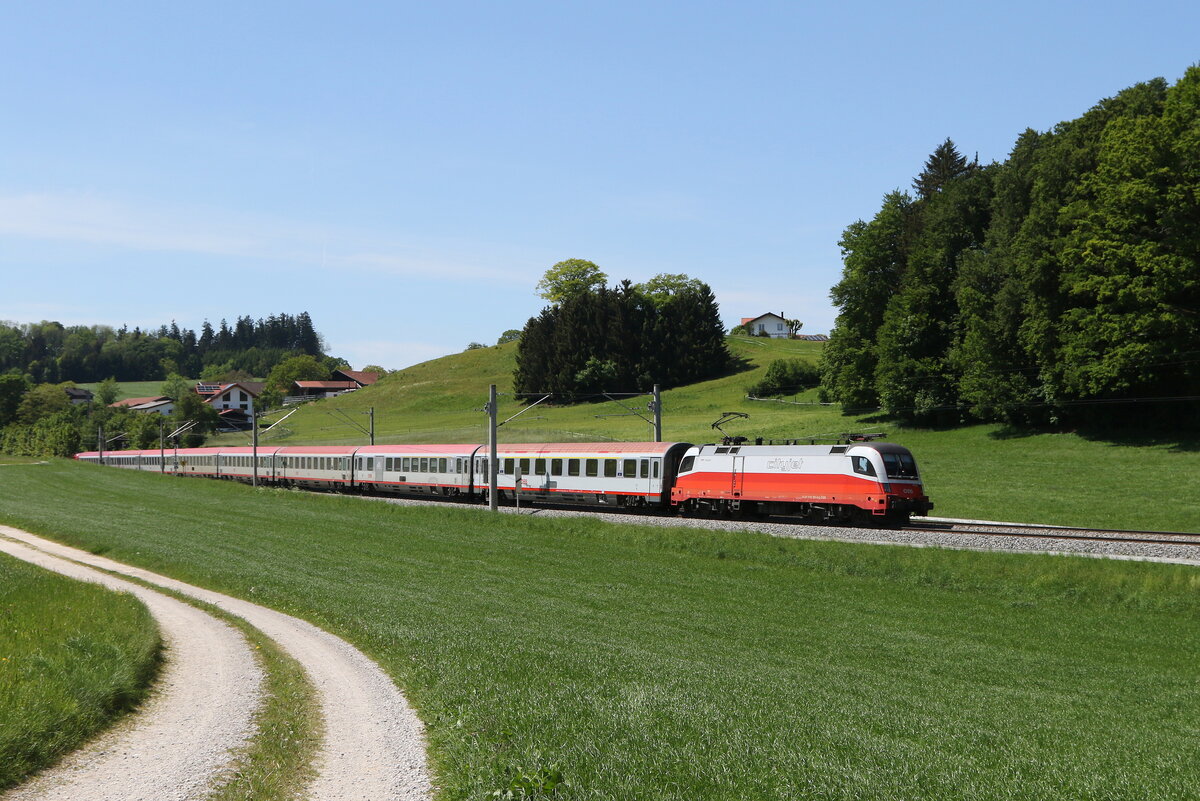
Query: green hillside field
(980,471)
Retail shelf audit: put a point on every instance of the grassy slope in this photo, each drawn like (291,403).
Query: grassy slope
(133,389)
(970,472)
(73,656)
(646,663)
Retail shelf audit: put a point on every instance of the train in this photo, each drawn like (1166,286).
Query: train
(864,483)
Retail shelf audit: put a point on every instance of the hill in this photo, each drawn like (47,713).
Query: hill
(982,471)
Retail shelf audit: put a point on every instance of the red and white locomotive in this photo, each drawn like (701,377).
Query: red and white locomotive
(860,482)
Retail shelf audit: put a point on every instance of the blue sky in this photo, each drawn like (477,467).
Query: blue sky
(405,172)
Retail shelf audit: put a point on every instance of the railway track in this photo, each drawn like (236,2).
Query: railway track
(1056,533)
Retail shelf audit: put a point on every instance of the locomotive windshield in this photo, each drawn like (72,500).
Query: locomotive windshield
(899,465)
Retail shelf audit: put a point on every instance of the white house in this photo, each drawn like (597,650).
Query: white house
(223,397)
(771,324)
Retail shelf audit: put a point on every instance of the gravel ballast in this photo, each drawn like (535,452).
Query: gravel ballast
(960,539)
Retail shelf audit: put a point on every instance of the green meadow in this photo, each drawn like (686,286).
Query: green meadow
(979,471)
(627,662)
(73,657)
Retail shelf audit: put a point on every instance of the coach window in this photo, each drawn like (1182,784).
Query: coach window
(371,463)
(510,467)
(423,465)
(592,467)
(610,468)
(572,467)
(629,469)
(645,468)
(387,464)
(539,467)
(441,465)
(556,467)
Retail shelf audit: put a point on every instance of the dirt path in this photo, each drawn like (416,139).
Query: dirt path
(201,708)
(374,745)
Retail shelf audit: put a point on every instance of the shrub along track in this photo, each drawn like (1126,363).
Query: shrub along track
(373,746)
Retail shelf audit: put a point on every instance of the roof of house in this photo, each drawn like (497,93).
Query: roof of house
(759,317)
(150,405)
(252,388)
(78,392)
(131,402)
(359,377)
(326,384)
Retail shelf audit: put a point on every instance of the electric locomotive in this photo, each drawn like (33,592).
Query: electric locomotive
(861,483)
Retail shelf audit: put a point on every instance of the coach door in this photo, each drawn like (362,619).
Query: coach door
(738,475)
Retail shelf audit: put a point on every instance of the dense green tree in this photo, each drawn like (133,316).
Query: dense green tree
(621,340)
(914,377)
(13,387)
(44,400)
(106,392)
(569,278)
(297,368)
(875,256)
(943,166)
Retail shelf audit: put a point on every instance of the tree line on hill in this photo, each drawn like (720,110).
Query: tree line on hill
(593,338)
(1060,286)
(49,352)
(38,419)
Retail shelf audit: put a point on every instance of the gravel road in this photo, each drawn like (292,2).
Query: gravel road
(373,747)
(200,711)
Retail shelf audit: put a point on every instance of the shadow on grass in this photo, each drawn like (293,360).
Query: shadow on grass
(1179,440)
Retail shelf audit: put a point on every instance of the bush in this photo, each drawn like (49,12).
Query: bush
(786,377)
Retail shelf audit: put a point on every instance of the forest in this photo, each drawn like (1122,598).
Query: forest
(49,352)
(1059,287)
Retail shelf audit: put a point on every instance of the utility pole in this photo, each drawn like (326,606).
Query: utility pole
(372,425)
(162,451)
(656,407)
(100,442)
(493,486)
(254,448)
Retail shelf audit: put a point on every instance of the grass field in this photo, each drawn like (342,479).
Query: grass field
(134,389)
(648,663)
(981,471)
(73,656)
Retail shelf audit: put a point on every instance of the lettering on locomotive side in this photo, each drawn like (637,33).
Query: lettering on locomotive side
(785,465)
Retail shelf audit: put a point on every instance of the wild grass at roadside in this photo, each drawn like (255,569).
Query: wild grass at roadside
(73,657)
(639,662)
